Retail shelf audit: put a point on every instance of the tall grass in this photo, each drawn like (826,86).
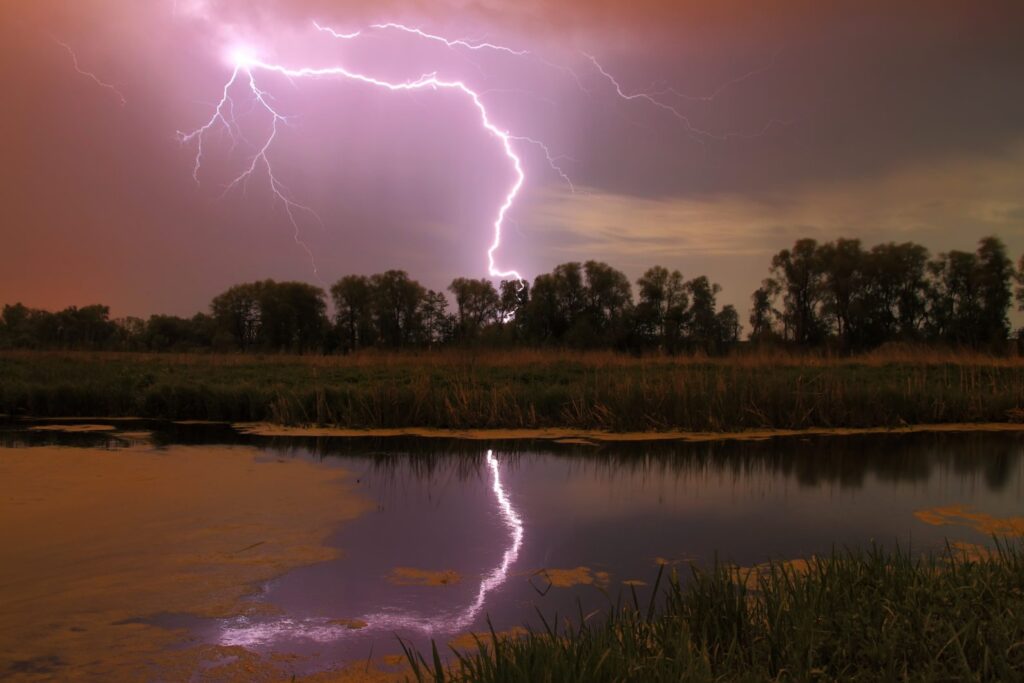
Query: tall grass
(522,389)
(859,616)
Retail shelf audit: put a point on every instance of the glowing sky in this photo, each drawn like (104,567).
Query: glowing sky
(877,120)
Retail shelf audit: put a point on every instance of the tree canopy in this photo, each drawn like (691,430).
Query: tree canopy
(838,293)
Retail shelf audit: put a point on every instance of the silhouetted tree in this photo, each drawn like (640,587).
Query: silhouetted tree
(843,264)
(437,326)
(353,311)
(396,305)
(477,304)
(728,325)
(836,292)
(894,302)
(557,303)
(293,316)
(172,333)
(995,276)
(274,316)
(954,308)
(609,300)
(513,309)
(661,312)
(761,312)
(237,312)
(798,272)
(1019,290)
(702,321)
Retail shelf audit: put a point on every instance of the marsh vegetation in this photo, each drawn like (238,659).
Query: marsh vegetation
(859,615)
(523,389)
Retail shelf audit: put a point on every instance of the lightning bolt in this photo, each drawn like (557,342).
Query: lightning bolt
(699,134)
(89,74)
(551,158)
(224,115)
(248,66)
(457,42)
(244,74)
(690,128)
(724,86)
(248,633)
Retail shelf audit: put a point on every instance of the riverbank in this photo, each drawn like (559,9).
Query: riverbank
(862,615)
(523,390)
(585,437)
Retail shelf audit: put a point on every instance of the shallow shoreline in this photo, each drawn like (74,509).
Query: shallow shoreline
(588,436)
(205,531)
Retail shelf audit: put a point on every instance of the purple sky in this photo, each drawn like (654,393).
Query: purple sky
(885,121)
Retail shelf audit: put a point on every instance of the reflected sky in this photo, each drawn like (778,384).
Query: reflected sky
(249,632)
(497,514)
(498,517)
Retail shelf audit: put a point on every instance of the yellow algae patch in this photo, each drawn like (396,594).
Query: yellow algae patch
(410,576)
(751,576)
(972,551)
(388,669)
(238,665)
(634,582)
(93,540)
(470,641)
(350,624)
(135,436)
(266,429)
(566,578)
(979,521)
(73,429)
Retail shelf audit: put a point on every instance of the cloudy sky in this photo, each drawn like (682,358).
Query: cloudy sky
(733,131)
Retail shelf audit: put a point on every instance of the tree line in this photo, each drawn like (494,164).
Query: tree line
(837,294)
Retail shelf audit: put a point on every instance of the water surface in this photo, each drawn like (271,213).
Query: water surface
(513,527)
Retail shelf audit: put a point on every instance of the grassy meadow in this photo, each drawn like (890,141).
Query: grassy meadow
(521,389)
(868,615)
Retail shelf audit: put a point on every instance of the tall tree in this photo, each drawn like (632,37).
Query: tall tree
(396,304)
(608,298)
(1018,292)
(728,325)
(293,316)
(995,277)
(761,311)
(798,273)
(702,321)
(477,304)
(843,264)
(436,324)
(353,311)
(662,307)
(238,315)
(954,308)
(894,301)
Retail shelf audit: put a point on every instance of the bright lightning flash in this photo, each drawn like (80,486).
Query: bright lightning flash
(246,64)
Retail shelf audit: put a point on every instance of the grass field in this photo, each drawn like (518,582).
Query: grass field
(858,616)
(521,389)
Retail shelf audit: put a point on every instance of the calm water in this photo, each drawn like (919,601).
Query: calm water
(499,513)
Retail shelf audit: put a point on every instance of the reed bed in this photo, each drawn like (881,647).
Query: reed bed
(869,615)
(523,389)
